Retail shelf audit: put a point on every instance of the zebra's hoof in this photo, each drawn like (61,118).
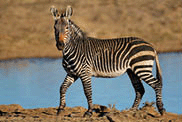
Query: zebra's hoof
(59,111)
(162,111)
(87,114)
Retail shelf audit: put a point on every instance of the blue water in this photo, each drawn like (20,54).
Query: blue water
(35,83)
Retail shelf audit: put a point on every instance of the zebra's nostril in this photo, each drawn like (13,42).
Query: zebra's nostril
(62,44)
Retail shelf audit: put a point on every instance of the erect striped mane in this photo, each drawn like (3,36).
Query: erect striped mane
(77,32)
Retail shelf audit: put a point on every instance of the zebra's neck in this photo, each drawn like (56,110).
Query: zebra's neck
(74,33)
(74,40)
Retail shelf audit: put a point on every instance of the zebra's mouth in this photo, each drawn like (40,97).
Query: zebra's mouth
(60,45)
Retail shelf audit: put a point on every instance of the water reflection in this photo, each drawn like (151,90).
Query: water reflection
(35,83)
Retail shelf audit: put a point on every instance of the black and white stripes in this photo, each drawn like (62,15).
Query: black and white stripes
(84,57)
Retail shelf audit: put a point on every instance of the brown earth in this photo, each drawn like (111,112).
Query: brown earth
(26,26)
(147,113)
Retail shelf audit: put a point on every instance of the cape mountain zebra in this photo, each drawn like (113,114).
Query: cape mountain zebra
(84,57)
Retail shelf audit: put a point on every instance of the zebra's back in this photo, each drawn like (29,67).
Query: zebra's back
(112,57)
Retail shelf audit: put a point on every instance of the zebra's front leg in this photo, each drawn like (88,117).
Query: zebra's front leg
(67,82)
(86,81)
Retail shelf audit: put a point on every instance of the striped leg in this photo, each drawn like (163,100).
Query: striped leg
(67,82)
(86,81)
(157,86)
(139,89)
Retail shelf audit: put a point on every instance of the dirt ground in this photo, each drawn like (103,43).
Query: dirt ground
(147,113)
(26,26)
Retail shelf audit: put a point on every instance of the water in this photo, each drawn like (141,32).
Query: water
(35,83)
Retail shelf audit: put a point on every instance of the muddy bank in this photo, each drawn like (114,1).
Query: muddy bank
(147,113)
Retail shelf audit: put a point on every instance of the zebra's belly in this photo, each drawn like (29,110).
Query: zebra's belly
(108,74)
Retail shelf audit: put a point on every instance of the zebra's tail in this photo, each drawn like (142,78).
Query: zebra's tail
(158,69)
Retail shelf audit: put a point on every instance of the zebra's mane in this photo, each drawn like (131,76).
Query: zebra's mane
(78,31)
(82,36)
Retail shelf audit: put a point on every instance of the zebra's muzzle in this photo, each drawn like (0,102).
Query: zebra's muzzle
(60,45)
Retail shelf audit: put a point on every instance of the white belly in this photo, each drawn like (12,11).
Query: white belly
(108,74)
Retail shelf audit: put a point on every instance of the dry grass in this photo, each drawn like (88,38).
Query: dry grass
(27,25)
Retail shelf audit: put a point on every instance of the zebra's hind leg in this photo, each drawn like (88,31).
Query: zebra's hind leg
(65,85)
(138,86)
(156,84)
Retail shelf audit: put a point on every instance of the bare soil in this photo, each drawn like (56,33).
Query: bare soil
(26,26)
(147,113)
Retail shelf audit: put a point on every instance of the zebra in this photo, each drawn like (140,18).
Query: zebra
(85,57)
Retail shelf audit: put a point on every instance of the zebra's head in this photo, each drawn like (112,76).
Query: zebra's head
(62,25)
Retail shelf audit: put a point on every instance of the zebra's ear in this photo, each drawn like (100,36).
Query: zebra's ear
(69,11)
(54,12)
